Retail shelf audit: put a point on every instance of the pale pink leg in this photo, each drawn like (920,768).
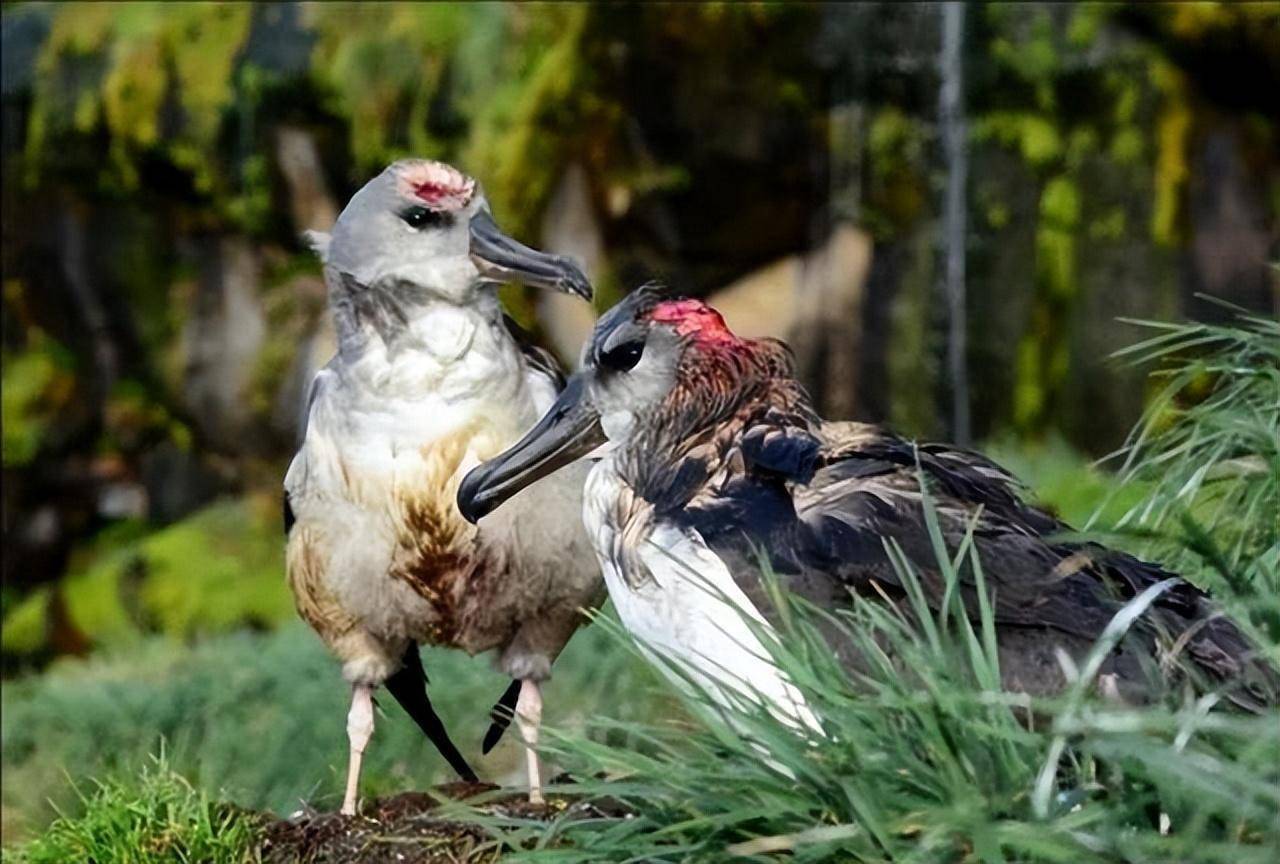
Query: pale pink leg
(359,731)
(529,716)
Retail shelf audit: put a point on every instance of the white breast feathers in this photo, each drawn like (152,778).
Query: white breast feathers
(690,611)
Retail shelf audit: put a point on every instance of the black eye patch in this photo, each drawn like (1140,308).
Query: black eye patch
(624,357)
(424,217)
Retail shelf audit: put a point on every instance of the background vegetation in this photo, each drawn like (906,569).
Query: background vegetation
(161,317)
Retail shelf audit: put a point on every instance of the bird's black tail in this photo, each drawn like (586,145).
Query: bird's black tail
(409,687)
(501,715)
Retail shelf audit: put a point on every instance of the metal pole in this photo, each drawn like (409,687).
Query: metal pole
(951,110)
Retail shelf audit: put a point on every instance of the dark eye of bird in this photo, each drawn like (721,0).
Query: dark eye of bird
(420,217)
(624,357)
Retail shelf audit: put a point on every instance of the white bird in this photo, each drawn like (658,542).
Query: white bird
(429,379)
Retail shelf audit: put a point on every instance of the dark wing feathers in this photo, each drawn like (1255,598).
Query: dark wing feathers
(539,359)
(876,487)
(780,449)
(821,499)
(1039,578)
(289,518)
(952,472)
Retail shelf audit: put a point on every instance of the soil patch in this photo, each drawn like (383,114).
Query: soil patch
(409,828)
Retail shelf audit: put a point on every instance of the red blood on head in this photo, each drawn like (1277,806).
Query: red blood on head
(435,185)
(694,318)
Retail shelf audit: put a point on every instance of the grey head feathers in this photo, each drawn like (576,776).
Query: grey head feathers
(411,221)
(621,323)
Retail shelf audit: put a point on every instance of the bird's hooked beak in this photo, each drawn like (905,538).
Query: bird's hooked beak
(503,259)
(569,431)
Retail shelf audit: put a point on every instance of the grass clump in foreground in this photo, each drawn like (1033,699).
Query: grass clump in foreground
(156,817)
(924,758)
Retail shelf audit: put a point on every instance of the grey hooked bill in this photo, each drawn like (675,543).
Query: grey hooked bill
(501,258)
(569,431)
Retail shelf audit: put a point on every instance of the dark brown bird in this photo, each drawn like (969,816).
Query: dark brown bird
(717,455)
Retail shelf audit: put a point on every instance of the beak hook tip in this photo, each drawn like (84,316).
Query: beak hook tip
(576,282)
(470,504)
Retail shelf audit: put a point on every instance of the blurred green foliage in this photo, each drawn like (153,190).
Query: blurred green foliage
(37,383)
(172,82)
(114,67)
(184,97)
(217,570)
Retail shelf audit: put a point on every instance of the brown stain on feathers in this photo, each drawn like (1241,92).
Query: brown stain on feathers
(435,551)
(305,568)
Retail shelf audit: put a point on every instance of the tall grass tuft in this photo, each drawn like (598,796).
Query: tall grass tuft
(1208,445)
(154,818)
(922,758)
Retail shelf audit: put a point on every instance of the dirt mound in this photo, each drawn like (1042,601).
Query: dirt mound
(409,829)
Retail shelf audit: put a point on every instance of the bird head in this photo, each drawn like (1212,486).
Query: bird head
(427,223)
(652,361)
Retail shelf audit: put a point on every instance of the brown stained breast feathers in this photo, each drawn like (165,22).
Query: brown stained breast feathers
(314,601)
(435,552)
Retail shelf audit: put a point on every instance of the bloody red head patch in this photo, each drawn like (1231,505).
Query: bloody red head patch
(694,318)
(435,185)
